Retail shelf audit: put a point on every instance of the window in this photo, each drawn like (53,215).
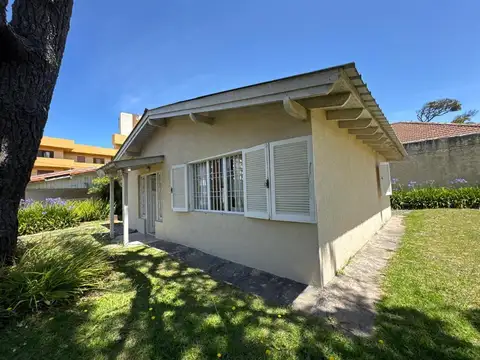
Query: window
(279,180)
(384,179)
(98,160)
(159,199)
(80,159)
(217,184)
(45,153)
(142,204)
(272,181)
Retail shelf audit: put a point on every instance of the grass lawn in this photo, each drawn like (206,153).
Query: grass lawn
(152,307)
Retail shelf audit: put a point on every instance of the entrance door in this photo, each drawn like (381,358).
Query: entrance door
(151,203)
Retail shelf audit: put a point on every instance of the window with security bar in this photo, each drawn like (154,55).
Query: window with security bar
(218,184)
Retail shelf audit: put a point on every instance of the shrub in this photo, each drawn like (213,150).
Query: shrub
(90,210)
(101,189)
(436,197)
(52,214)
(51,271)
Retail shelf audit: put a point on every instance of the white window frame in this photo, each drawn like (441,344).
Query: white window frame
(311,218)
(257,214)
(385,179)
(225,190)
(187,188)
(142,178)
(159,197)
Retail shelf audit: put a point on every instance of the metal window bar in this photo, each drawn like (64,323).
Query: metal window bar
(200,190)
(234,175)
(216,185)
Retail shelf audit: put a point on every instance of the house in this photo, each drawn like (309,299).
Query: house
(289,176)
(438,152)
(67,184)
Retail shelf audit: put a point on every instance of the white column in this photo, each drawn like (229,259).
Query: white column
(125,206)
(112,207)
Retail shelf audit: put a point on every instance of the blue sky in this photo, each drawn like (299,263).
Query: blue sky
(127,56)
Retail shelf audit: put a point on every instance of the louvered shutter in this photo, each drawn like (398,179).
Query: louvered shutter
(292,183)
(142,203)
(385,179)
(255,183)
(179,188)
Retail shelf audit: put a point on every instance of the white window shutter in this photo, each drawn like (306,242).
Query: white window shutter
(255,183)
(292,180)
(142,197)
(179,188)
(385,179)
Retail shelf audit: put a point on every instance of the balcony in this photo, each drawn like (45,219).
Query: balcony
(62,164)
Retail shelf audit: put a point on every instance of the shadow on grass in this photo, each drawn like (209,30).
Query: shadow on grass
(194,319)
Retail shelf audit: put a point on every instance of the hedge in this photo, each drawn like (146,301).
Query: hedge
(436,197)
(53,214)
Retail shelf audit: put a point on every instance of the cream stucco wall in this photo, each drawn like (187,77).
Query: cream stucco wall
(286,249)
(349,206)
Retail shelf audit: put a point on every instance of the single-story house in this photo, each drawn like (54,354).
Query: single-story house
(289,176)
(66,184)
(438,152)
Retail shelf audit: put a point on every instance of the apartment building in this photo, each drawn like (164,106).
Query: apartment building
(57,154)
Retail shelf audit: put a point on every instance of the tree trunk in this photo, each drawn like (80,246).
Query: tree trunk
(31,50)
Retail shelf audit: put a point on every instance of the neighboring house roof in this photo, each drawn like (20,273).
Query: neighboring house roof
(61,174)
(312,90)
(409,132)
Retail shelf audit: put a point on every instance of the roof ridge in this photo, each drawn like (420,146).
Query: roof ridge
(434,123)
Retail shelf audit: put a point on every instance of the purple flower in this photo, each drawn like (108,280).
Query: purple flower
(394,181)
(411,184)
(44,212)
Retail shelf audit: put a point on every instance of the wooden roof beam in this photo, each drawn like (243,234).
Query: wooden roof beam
(355,124)
(380,141)
(326,102)
(376,136)
(201,119)
(345,114)
(368,131)
(294,109)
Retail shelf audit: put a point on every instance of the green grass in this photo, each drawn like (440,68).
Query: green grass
(152,307)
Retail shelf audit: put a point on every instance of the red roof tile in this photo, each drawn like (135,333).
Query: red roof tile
(418,131)
(36,178)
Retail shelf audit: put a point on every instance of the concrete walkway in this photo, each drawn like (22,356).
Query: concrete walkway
(348,301)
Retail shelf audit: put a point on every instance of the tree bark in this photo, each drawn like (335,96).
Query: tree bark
(31,50)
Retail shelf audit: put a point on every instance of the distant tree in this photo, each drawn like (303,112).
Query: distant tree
(465,118)
(432,109)
(31,51)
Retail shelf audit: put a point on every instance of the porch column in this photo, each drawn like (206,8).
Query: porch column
(112,207)
(125,206)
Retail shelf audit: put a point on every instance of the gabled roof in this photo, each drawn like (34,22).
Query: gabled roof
(61,174)
(339,90)
(409,132)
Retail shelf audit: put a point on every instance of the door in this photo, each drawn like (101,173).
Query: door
(151,203)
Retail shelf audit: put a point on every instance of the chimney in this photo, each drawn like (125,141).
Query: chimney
(127,122)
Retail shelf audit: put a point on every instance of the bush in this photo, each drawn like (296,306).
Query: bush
(90,210)
(51,271)
(436,197)
(52,214)
(101,189)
